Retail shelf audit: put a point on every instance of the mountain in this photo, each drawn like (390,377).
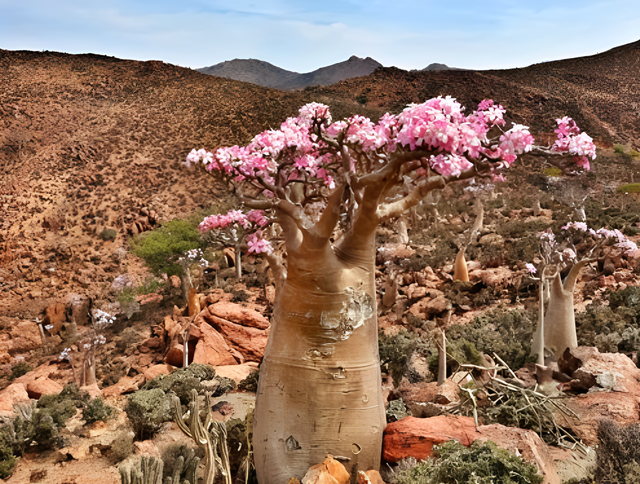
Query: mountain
(438,67)
(265,74)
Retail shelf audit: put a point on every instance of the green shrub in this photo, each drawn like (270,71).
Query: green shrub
(161,246)
(250,384)
(96,410)
(634,153)
(629,188)
(618,453)
(148,410)
(7,458)
(507,333)
(18,370)
(552,171)
(395,352)
(182,380)
(108,234)
(481,463)
(396,410)
(619,149)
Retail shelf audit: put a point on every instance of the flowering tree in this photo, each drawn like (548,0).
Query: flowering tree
(237,228)
(89,346)
(328,185)
(575,247)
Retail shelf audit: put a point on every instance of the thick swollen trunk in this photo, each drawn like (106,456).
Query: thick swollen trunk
(560,330)
(319,390)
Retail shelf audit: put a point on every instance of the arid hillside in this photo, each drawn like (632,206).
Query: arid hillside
(91,143)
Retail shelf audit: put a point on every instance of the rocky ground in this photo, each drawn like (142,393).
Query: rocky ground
(90,154)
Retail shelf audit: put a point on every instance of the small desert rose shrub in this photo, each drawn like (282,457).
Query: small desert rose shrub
(618,454)
(481,463)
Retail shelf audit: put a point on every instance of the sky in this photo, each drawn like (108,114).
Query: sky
(303,36)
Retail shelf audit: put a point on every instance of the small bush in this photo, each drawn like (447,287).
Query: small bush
(96,410)
(396,410)
(507,333)
(108,234)
(159,247)
(481,463)
(250,384)
(395,352)
(552,171)
(618,149)
(634,153)
(629,188)
(18,370)
(122,447)
(7,458)
(618,455)
(148,410)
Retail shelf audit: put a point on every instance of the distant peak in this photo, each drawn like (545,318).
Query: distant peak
(354,58)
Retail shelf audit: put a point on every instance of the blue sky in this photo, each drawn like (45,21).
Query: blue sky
(303,36)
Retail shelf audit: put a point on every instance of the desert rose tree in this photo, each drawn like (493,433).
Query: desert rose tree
(328,185)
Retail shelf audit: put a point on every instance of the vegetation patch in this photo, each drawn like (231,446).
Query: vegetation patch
(618,454)
(481,463)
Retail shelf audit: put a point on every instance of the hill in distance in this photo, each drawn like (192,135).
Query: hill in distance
(265,74)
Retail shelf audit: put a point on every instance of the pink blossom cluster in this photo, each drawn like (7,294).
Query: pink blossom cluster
(257,244)
(571,140)
(306,147)
(251,223)
(253,219)
(621,240)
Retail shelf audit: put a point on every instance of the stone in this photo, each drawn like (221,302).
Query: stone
(146,447)
(491,277)
(12,395)
(157,370)
(491,239)
(329,471)
(250,342)
(126,384)
(175,281)
(212,349)
(121,282)
(43,386)
(93,390)
(393,252)
(238,314)
(428,307)
(237,372)
(22,336)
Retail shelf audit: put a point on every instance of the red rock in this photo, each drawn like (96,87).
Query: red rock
(212,348)
(491,277)
(154,371)
(239,315)
(175,281)
(43,386)
(145,299)
(250,342)
(22,336)
(428,307)
(415,437)
(12,395)
(152,343)
(126,384)
(237,372)
(392,252)
(146,447)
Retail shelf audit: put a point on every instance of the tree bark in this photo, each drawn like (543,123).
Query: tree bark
(560,330)
(319,390)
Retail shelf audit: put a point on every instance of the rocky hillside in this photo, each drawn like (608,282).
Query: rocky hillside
(265,74)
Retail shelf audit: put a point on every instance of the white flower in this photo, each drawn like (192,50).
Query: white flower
(531,268)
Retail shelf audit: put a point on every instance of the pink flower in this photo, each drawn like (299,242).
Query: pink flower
(531,268)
